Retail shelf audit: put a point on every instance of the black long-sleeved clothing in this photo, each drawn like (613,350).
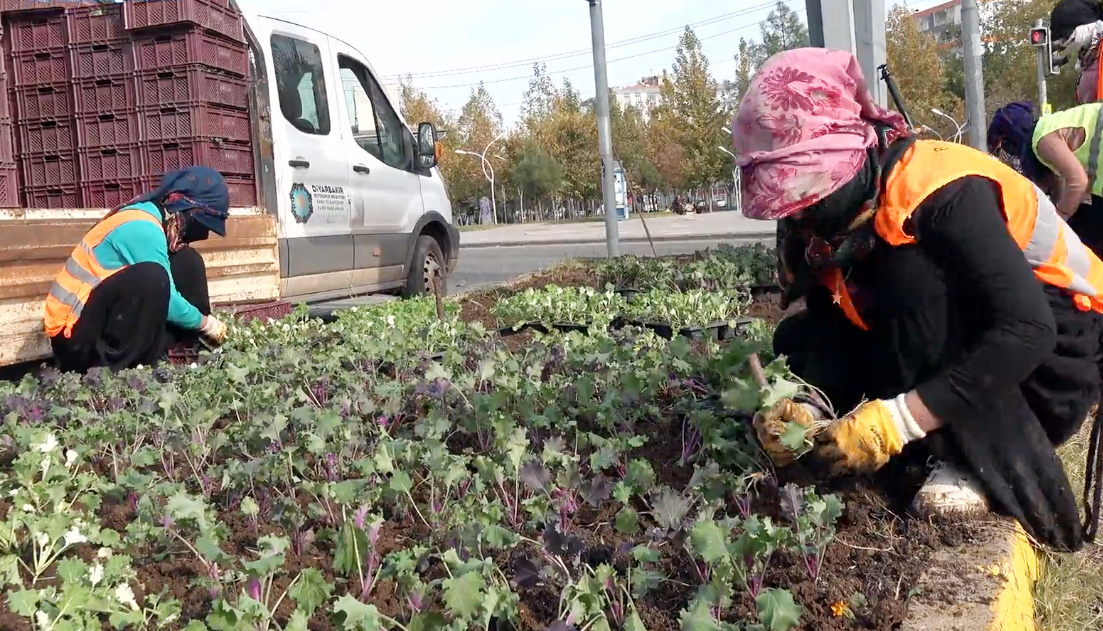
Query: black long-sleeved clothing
(1007,363)
(963,231)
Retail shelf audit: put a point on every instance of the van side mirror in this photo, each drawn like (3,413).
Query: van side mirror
(428,151)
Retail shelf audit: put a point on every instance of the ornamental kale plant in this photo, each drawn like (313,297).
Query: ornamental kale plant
(688,309)
(557,305)
(395,469)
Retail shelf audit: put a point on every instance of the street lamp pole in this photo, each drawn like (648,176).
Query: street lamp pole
(490,176)
(960,128)
(604,127)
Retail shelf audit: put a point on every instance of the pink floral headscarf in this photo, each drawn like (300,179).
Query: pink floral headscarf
(802,130)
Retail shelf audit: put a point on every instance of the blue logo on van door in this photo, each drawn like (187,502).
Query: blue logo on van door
(302,204)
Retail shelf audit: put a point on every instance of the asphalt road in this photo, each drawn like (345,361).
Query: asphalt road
(479,267)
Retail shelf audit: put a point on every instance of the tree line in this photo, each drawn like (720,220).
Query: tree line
(547,165)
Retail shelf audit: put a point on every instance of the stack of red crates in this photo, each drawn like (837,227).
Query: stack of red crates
(105,112)
(40,83)
(192,65)
(107,98)
(9,172)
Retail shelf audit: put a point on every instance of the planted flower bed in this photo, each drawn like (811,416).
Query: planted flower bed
(726,267)
(560,308)
(694,314)
(318,477)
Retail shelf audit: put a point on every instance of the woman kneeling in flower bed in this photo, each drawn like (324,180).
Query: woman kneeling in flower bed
(940,283)
(132,286)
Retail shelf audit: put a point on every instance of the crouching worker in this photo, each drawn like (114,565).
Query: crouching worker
(949,307)
(1059,153)
(132,286)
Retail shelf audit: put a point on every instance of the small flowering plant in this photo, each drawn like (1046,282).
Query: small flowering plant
(84,593)
(49,493)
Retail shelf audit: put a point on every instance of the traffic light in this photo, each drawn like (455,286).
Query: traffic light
(1039,38)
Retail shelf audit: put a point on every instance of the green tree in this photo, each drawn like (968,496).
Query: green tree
(746,65)
(535,173)
(916,63)
(692,110)
(782,31)
(479,122)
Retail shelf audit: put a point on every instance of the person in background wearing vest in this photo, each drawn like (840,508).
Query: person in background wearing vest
(1060,153)
(948,306)
(132,286)
(1076,28)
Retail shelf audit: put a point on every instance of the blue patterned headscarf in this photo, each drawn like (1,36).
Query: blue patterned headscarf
(200,189)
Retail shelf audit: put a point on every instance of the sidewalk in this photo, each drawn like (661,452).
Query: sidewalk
(719,225)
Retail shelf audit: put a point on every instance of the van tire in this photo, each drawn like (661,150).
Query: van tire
(428,262)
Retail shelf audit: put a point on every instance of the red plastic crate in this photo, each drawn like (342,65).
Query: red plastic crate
(35,32)
(51,197)
(7,142)
(185,48)
(7,97)
(48,169)
(40,67)
(110,194)
(46,136)
(243,191)
(195,120)
(9,185)
(209,14)
(43,101)
(110,164)
(95,24)
(30,5)
(108,129)
(93,61)
(192,84)
(106,94)
(226,158)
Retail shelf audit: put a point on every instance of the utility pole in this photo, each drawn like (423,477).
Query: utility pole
(604,127)
(974,75)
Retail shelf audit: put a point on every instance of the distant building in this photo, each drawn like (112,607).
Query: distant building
(643,95)
(646,94)
(943,22)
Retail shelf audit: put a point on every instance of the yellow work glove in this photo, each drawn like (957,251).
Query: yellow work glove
(771,424)
(864,440)
(212,331)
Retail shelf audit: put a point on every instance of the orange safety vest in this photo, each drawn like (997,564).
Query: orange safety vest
(82,273)
(1050,246)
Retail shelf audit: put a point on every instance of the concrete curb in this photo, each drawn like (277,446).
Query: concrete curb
(985,585)
(659,239)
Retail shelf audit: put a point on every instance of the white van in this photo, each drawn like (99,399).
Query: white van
(348,200)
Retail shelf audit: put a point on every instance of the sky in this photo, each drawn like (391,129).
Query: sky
(449,46)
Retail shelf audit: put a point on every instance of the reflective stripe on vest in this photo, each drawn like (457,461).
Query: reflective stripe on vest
(1053,250)
(1093,152)
(82,273)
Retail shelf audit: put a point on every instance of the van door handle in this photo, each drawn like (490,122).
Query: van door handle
(359,168)
(299,164)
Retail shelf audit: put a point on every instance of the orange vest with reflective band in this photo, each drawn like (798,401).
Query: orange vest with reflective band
(1050,246)
(82,273)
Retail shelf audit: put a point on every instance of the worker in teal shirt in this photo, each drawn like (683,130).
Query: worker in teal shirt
(133,288)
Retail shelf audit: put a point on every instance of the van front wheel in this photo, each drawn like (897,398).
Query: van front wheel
(428,264)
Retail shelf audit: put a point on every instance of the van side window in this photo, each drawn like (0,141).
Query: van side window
(396,152)
(365,129)
(301,84)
